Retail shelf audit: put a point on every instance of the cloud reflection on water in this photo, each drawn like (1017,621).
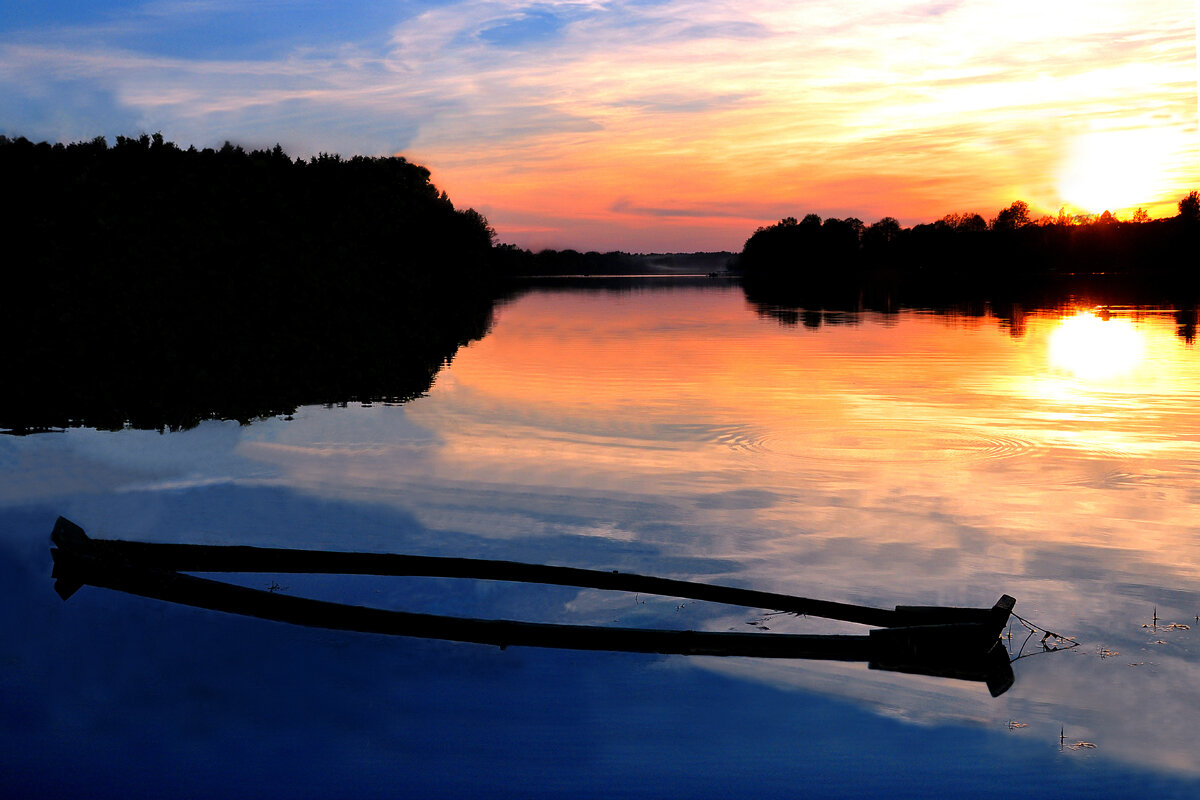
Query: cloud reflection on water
(904,460)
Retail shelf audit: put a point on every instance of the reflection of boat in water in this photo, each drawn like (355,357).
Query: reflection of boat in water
(940,641)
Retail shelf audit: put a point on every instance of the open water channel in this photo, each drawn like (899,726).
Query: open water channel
(665,429)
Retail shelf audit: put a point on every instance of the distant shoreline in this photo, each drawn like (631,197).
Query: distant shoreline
(634,276)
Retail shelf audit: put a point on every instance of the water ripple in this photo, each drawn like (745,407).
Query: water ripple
(875,442)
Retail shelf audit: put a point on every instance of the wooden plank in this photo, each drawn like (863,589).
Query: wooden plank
(217,596)
(964,650)
(208,558)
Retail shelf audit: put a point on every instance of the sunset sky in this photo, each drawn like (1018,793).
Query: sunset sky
(648,125)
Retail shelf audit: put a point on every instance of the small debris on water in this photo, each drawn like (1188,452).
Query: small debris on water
(1080,745)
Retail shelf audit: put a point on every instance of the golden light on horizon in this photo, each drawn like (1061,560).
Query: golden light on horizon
(1092,348)
(1116,170)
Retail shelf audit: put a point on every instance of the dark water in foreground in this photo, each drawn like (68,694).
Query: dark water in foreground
(902,459)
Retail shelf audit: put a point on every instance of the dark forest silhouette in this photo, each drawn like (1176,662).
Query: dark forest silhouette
(813,270)
(156,286)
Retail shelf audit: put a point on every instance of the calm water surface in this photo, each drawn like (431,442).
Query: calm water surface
(916,458)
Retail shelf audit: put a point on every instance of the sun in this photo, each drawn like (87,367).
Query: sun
(1114,170)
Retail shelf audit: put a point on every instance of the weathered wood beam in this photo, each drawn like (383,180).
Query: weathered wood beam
(208,558)
(964,647)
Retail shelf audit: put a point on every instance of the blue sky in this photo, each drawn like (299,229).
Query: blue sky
(200,29)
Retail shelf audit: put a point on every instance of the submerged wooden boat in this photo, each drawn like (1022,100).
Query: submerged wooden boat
(941,641)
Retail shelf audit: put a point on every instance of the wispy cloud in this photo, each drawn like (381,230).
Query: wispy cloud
(565,110)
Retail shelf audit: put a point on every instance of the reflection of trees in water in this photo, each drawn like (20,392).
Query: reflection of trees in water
(1185,319)
(163,286)
(820,304)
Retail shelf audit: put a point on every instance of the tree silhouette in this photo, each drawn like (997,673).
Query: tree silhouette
(880,235)
(1013,217)
(161,286)
(1189,208)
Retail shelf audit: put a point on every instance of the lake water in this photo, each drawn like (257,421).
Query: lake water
(665,429)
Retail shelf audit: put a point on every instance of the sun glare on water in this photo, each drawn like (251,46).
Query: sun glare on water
(1093,348)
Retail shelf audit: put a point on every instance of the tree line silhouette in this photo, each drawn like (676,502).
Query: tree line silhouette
(962,260)
(515,261)
(157,286)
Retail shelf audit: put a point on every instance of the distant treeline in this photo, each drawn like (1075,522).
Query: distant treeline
(155,285)
(514,261)
(845,264)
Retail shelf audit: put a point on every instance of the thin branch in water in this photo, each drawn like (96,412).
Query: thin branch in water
(1051,642)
